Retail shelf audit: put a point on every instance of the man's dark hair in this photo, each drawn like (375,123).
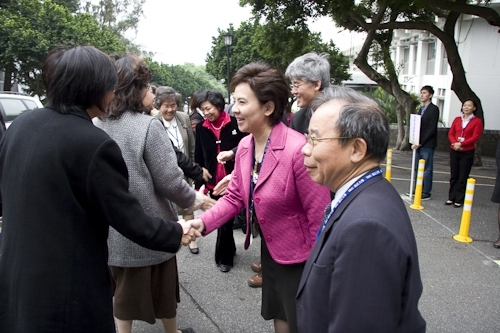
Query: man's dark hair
(429,89)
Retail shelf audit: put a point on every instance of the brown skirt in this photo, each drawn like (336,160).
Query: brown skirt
(146,293)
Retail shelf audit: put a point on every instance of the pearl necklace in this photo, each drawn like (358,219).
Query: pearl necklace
(216,128)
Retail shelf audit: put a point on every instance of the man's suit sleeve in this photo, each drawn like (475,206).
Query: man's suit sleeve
(428,128)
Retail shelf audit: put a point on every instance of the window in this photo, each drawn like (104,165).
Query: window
(431,58)
(406,60)
(415,50)
(12,107)
(444,62)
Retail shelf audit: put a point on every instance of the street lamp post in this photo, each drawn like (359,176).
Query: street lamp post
(228,40)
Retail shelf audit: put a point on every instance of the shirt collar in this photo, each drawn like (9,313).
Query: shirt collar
(167,124)
(340,192)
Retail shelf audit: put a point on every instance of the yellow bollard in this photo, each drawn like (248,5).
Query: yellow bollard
(463,234)
(388,165)
(417,202)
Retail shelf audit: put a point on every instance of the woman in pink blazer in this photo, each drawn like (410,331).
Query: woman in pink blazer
(270,180)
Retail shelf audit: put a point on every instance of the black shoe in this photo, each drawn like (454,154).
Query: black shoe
(194,250)
(457,205)
(496,245)
(448,202)
(187,330)
(224,268)
(425,197)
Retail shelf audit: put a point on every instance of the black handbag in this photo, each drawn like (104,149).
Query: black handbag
(240,221)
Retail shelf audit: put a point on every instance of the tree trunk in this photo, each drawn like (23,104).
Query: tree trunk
(7,83)
(391,84)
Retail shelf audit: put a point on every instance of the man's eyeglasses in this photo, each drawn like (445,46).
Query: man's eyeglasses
(311,140)
(169,106)
(296,85)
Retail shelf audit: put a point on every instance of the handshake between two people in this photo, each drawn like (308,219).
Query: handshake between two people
(191,230)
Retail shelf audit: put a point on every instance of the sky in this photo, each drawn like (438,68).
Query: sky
(180,31)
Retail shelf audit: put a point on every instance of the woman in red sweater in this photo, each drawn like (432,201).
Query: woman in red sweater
(464,132)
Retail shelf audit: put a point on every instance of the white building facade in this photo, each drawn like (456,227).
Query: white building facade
(421,60)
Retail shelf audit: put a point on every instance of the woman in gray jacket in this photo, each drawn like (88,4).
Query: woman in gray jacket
(146,281)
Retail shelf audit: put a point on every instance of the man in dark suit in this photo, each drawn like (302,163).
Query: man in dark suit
(309,75)
(363,273)
(429,114)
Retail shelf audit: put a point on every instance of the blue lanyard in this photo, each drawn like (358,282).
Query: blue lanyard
(172,135)
(349,191)
(254,175)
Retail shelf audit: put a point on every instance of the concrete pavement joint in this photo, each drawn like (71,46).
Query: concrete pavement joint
(436,171)
(443,182)
(453,233)
(200,308)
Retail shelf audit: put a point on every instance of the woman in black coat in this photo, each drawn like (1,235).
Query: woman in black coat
(64,183)
(218,132)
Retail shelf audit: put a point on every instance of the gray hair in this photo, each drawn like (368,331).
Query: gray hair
(165,93)
(310,67)
(360,117)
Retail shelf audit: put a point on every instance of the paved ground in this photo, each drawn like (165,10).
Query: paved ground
(461,281)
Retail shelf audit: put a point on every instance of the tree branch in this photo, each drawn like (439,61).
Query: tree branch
(489,14)
(432,28)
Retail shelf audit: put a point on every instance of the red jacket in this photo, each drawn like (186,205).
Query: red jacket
(471,133)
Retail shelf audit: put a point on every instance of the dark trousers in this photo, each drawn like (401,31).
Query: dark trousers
(426,154)
(460,166)
(225,248)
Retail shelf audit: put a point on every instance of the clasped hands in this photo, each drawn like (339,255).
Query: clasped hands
(191,230)
(457,146)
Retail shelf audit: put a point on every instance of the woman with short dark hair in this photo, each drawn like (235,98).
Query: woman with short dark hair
(270,180)
(218,132)
(64,183)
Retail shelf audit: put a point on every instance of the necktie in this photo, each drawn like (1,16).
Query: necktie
(423,110)
(328,209)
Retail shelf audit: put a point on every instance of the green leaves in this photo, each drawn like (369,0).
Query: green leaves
(29,29)
(186,79)
(275,43)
